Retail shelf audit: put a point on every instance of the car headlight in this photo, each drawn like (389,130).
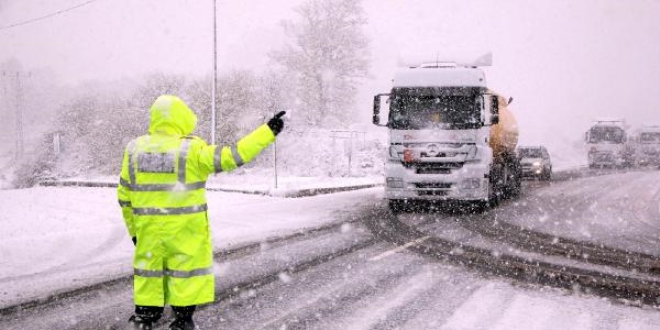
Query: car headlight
(536,164)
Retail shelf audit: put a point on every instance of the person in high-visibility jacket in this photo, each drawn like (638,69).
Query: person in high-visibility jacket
(163,200)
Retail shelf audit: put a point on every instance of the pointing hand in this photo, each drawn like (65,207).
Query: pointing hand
(276,124)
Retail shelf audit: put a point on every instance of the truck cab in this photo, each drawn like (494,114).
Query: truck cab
(440,122)
(608,144)
(648,146)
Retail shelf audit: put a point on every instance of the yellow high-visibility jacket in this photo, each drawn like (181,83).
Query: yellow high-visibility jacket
(163,199)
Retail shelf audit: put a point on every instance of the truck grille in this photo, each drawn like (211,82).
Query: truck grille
(604,157)
(434,185)
(436,168)
(432,193)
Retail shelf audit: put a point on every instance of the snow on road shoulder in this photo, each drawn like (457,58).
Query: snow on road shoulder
(63,238)
(262,182)
(617,210)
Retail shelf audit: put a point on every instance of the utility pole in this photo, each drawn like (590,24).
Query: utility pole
(214,88)
(275,161)
(20,143)
(17,87)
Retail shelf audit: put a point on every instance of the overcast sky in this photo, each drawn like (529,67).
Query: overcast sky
(565,62)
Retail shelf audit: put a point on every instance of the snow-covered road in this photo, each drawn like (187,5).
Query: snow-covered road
(406,291)
(621,211)
(378,285)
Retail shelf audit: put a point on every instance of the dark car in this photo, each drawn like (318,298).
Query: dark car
(535,162)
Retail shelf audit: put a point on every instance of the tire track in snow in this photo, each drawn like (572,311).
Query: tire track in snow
(525,268)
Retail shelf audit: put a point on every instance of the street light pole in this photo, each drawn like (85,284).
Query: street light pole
(214,87)
(275,161)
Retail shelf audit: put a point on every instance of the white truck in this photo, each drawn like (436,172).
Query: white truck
(450,137)
(608,144)
(647,142)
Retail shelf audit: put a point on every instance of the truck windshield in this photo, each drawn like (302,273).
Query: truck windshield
(607,134)
(435,108)
(649,137)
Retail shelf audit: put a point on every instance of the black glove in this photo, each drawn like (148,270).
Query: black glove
(276,124)
(134,239)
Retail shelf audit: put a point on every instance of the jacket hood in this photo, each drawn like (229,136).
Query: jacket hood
(170,115)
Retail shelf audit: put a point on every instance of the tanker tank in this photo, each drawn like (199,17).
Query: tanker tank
(504,134)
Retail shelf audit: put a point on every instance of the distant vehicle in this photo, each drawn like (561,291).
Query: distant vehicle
(648,145)
(535,162)
(609,145)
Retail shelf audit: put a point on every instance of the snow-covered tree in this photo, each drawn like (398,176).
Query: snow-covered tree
(328,52)
(237,107)
(156,84)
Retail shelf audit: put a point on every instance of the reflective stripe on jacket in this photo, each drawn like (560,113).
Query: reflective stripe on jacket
(163,199)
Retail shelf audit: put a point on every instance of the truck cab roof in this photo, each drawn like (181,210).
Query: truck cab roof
(440,76)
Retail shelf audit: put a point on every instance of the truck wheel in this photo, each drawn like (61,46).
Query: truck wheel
(396,205)
(495,186)
(480,206)
(511,186)
(493,196)
(516,187)
(512,189)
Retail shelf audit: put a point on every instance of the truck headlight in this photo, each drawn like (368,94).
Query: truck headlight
(472,183)
(472,154)
(394,154)
(536,164)
(394,182)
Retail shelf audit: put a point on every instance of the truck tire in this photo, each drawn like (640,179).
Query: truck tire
(396,206)
(493,196)
(480,206)
(516,186)
(512,183)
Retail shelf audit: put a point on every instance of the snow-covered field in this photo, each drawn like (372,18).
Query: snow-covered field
(55,239)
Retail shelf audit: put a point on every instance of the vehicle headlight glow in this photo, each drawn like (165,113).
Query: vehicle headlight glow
(536,164)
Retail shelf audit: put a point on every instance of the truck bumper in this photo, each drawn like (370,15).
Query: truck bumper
(649,159)
(468,183)
(604,159)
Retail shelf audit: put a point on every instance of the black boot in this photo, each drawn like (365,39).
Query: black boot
(183,318)
(140,323)
(145,316)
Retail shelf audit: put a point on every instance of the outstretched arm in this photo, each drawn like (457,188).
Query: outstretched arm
(224,159)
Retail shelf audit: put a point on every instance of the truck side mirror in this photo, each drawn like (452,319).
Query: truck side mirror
(494,110)
(376,117)
(510,100)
